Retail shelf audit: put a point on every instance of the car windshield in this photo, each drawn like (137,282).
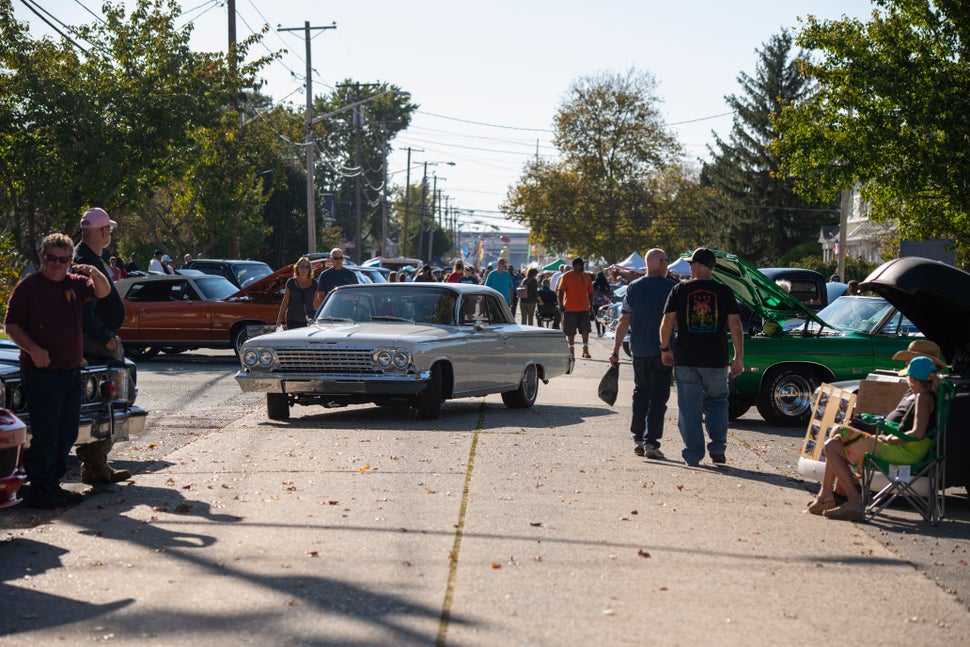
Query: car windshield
(246,273)
(389,304)
(215,287)
(858,314)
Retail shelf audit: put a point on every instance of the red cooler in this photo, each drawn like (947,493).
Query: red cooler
(13,440)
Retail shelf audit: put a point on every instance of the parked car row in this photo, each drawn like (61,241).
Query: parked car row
(172,314)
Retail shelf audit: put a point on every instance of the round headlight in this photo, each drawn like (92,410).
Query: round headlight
(17,399)
(90,388)
(402,358)
(265,357)
(383,358)
(249,357)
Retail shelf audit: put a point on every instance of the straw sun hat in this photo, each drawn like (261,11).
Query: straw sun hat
(923,347)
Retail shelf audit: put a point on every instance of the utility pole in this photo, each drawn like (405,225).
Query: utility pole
(311,217)
(407,207)
(384,192)
(424,192)
(358,123)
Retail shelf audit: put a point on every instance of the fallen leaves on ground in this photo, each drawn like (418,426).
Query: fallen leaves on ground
(643,553)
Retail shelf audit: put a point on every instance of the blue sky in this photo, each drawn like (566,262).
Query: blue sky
(489,76)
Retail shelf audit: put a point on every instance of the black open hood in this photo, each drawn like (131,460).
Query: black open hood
(934,296)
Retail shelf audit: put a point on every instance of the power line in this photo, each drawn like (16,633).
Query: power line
(482,123)
(96,16)
(38,9)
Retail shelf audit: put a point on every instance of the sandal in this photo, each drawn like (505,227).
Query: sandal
(846,512)
(818,506)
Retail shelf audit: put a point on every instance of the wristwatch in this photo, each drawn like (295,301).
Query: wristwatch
(664,349)
(614,354)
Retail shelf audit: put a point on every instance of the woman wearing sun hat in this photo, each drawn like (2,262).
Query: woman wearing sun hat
(922,347)
(847,446)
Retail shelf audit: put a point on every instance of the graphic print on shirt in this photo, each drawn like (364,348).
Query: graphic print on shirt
(702,312)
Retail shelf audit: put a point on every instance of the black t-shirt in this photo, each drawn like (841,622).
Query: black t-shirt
(702,307)
(334,278)
(106,315)
(299,309)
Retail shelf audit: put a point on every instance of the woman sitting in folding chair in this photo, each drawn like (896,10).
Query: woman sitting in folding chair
(847,446)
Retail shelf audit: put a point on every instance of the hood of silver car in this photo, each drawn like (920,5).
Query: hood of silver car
(356,333)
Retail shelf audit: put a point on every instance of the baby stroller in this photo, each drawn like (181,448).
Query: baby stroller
(547,316)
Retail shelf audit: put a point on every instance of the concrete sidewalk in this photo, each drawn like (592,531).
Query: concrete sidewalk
(495,527)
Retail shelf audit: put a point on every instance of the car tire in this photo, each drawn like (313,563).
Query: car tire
(239,337)
(427,406)
(736,408)
(525,395)
(277,406)
(139,353)
(786,395)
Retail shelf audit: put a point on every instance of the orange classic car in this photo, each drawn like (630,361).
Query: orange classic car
(175,313)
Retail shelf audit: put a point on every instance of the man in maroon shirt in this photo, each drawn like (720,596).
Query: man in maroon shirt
(44,319)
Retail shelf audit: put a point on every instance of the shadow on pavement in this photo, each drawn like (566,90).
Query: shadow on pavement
(25,609)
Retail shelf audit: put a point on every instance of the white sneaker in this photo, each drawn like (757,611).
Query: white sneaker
(653,452)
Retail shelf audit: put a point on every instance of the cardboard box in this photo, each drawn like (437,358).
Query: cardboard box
(831,408)
(879,396)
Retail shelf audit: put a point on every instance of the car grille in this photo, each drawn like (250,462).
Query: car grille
(326,360)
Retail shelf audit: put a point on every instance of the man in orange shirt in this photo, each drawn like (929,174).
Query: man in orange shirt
(575,291)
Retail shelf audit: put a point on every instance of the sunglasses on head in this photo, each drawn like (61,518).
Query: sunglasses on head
(54,258)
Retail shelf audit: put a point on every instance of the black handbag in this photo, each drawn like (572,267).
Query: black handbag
(609,385)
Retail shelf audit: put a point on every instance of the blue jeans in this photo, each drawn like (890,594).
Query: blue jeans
(54,404)
(702,396)
(651,390)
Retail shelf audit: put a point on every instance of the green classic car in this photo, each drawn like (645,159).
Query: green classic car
(789,350)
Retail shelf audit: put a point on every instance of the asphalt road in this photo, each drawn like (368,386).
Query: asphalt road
(489,526)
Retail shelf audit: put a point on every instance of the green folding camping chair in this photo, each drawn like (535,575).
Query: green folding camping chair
(922,484)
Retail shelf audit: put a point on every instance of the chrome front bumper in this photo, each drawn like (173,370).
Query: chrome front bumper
(123,423)
(397,384)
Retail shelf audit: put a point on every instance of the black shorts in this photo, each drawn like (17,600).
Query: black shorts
(573,320)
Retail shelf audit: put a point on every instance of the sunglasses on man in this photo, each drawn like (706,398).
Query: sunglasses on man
(54,258)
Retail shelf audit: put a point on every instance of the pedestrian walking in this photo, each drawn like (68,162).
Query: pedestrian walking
(529,297)
(575,292)
(499,279)
(299,291)
(641,314)
(703,311)
(44,320)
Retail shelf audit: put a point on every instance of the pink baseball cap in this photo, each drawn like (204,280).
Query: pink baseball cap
(96,218)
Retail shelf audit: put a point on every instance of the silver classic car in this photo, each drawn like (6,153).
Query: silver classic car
(404,344)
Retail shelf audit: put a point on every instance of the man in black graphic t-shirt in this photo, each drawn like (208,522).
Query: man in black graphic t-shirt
(703,311)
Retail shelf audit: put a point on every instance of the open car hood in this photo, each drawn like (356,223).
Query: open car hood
(934,296)
(757,291)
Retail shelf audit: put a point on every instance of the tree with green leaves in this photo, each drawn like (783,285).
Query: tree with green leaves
(755,211)
(597,199)
(109,116)
(890,113)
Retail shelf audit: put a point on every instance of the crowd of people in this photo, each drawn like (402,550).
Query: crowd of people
(686,332)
